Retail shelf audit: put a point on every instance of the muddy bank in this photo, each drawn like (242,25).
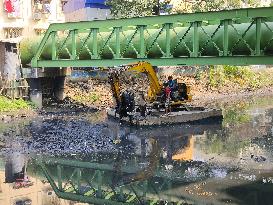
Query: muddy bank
(97,93)
(10,116)
(11,109)
(93,93)
(215,99)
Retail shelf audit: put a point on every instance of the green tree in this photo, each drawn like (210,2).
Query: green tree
(138,8)
(216,5)
(134,8)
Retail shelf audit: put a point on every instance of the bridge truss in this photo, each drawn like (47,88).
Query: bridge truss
(235,37)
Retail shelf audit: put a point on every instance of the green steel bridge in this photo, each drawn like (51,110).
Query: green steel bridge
(234,37)
(120,183)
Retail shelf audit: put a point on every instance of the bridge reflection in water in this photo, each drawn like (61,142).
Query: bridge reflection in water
(149,170)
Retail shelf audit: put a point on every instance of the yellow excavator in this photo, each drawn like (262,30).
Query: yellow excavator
(156,98)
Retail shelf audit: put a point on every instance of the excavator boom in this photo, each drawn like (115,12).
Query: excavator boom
(141,67)
(147,68)
(115,87)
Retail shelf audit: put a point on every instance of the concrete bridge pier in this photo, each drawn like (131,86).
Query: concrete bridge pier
(46,83)
(35,91)
(58,88)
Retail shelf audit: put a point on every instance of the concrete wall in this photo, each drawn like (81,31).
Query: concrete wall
(9,62)
(2,59)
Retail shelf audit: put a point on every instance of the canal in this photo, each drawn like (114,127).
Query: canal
(64,157)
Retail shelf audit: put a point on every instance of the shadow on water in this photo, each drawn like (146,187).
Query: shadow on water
(255,193)
(83,157)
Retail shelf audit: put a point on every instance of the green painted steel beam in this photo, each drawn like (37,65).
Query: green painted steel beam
(235,37)
(98,166)
(240,61)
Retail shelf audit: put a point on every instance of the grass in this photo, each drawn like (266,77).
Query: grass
(91,97)
(242,78)
(236,114)
(8,105)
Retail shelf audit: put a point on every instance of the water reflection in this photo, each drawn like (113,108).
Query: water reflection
(66,159)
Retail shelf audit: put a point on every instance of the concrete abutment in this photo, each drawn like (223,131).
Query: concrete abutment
(47,83)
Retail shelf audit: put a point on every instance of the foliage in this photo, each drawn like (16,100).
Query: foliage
(216,5)
(216,76)
(134,8)
(137,8)
(243,78)
(94,97)
(7,105)
(236,114)
(181,6)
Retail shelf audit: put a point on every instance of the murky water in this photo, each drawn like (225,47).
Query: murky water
(79,158)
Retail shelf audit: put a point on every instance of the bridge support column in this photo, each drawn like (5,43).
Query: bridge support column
(36,95)
(58,90)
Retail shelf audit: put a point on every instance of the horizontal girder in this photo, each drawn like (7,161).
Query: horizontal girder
(235,37)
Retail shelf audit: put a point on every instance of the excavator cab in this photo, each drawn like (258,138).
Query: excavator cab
(181,92)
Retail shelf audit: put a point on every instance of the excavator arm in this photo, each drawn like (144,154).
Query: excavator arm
(141,67)
(115,87)
(147,68)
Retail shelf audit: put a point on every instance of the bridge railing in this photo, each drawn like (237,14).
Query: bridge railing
(236,37)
